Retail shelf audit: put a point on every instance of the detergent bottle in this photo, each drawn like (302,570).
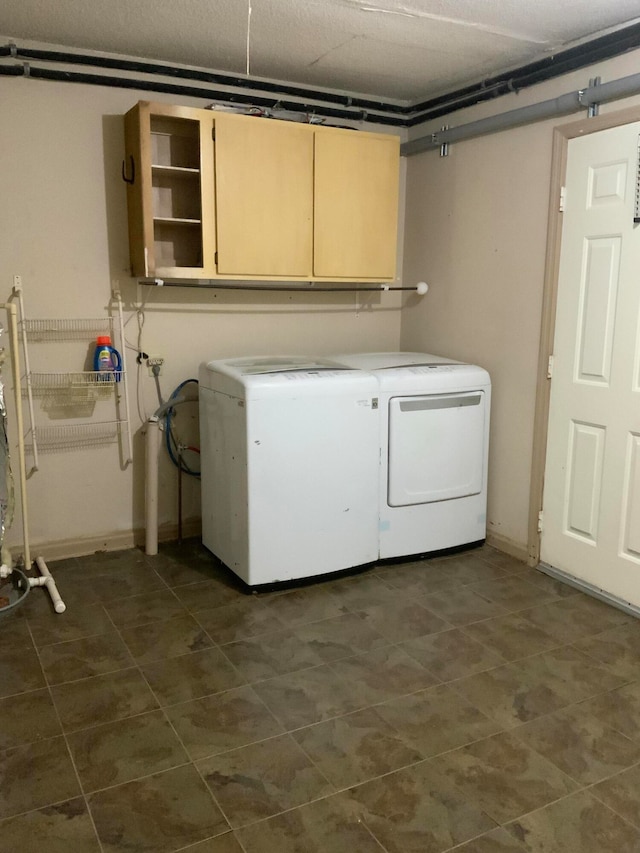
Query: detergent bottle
(107,361)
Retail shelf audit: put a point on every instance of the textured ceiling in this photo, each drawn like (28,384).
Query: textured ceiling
(392,50)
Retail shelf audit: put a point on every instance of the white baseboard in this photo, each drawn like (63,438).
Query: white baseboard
(508,546)
(118,541)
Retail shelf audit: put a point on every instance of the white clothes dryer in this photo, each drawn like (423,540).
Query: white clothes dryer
(434,442)
(289,453)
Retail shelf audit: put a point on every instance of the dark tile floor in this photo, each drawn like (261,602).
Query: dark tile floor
(463,703)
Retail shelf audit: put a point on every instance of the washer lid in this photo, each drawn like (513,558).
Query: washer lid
(388,360)
(235,376)
(280,364)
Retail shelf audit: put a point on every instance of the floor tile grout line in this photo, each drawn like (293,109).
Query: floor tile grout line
(482,835)
(580,790)
(354,654)
(248,682)
(89,677)
(113,722)
(343,790)
(75,640)
(80,796)
(292,731)
(591,792)
(68,748)
(597,660)
(144,624)
(373,707)
(517,731)
(191,845)
(190,761)
(312,760)
(373,835)
(455,683)
(93,792)
(359,610)
(292,808)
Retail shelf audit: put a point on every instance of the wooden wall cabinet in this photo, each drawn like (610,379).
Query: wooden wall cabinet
(169,169)
(220,195)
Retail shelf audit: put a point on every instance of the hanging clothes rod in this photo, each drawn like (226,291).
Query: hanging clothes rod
(420,288)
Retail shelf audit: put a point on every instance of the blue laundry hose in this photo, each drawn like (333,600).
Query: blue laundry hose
(168,434)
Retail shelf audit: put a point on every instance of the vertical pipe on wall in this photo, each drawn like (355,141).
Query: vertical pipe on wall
(15,366)
(151,486)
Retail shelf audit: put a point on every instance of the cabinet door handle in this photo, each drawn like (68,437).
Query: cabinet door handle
(132,179)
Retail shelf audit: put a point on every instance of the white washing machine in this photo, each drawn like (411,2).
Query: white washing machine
(434,443)
(289,452)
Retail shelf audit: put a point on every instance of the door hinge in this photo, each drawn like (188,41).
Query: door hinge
(563,199)
(540,521)
(550,367)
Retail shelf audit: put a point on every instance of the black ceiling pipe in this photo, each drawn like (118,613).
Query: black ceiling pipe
(194,92)
(597,50)
(12,70)
(204,77)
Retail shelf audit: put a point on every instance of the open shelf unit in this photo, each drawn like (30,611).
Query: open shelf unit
(69,397)
(176,191)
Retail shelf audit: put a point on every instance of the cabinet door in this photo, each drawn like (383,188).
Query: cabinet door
(264,197)
(171,205)
(137,172)
(356,204)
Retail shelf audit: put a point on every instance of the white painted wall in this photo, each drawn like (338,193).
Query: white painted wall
(63,228)
(476,231)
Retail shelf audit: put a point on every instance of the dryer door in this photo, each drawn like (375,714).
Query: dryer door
(436,445)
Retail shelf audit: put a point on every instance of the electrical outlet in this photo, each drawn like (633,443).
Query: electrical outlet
(155,361)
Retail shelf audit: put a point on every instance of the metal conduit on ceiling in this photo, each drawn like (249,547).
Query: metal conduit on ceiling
(571,102)
(327,104)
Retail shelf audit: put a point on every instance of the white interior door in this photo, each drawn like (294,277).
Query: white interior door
(591,506)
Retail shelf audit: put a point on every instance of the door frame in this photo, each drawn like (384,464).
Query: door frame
(561,136)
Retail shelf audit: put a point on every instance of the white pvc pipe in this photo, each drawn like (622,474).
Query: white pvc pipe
(125,387)
(151,486)
(47,580)
(15,367)
(27,373)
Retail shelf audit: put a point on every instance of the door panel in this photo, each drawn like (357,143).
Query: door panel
(356,205)
(630,533)
(586,453)
(597,309)
(591,505)
(264,197)
(435,447)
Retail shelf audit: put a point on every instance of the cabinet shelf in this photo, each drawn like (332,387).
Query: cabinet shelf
(175,171)
(175,220)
